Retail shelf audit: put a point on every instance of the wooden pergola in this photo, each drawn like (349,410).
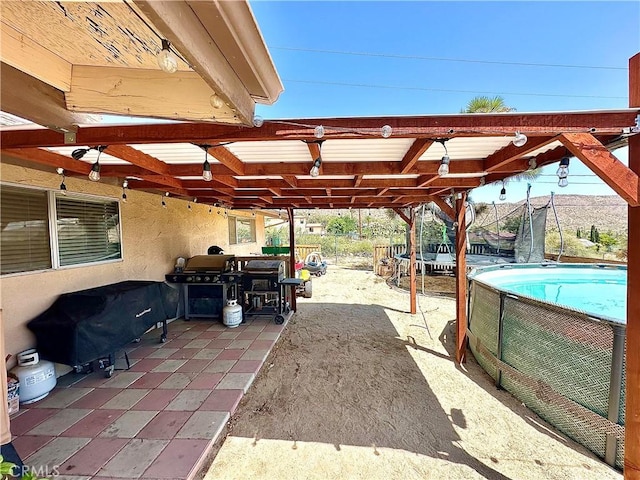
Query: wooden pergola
(383,162)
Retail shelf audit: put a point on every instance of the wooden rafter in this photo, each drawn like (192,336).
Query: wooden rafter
(596,156)
(510,153)
(51,159)
(228,159)
(419,146)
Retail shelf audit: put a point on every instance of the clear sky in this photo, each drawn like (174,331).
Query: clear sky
(410,58)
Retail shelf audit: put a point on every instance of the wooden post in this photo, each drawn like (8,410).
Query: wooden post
(412,260)
(292,257)
(461,279)
(632,412)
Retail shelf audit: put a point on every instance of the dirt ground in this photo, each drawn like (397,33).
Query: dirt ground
(357,388)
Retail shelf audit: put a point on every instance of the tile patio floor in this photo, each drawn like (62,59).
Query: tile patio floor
(157,420)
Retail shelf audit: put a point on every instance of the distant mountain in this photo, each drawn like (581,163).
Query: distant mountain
(606,212)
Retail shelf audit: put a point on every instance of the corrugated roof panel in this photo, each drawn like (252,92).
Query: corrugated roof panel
(272,151)
(175,153)
(466,148)
(366,150)
(546,148)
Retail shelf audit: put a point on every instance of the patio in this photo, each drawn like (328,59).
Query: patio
(157,420)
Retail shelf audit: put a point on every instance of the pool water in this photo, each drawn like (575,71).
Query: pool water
(597,291)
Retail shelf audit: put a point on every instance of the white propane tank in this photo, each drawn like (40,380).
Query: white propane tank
(232,314)
(37,378)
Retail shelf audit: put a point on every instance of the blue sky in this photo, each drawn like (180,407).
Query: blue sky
(411,58)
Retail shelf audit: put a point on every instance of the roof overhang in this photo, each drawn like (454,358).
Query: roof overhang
(64,60)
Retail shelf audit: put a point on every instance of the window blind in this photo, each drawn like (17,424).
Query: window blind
(88,231)
(24,238)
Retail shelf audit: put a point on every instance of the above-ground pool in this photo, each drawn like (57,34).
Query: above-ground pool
(554,336)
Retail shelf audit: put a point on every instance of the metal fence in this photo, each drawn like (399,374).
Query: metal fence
(566,366)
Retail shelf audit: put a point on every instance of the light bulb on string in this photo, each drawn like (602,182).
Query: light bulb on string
(503,193)
(563,182)
(386,131)
(318,132)
(63,187)
(125,185)
(216,101)
(258,121)
(519,140)
(443,169)
(206,166)
(167,60)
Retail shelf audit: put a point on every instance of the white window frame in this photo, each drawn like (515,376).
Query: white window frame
(53,228)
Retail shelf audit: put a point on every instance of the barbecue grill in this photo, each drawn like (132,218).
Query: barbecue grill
(264,285)
(207,281)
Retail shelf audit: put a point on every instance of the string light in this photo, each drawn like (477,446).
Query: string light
(125,185)
(206,166)
(258,121)
(386,131)
(503,193)
(519,140)
(167,60)
(164,204)
(63,187)
(94,174)
(318,132)
(443,169)
(563,172)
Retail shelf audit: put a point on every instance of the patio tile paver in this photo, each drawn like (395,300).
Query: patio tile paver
(178,380)
(268,336)
(189,335)
(63,397)
(255,355)
(129,424)
(262,344)
(92,457)
(248,335)
(126,399)
(231,354)
(93,424)
(188,400)
(209,335)
(222,401)
(236,381)
(21,424)
(122,379)
(184,354)
(204,425)
(157,399)
(162,352)
(229,335)
(205,381)
(246,366)
(169,366)
(56,452)
(220,343)
(150,380)
(198,343)
(208,354)
(95,398)
(242,344)
(59,422)
(220,366)
(164,425)
(146,364)
(27,444)
(195,365)
(133,459)
(178,343)
(171,463)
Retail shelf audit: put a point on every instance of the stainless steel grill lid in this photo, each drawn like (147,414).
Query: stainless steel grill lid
(209,264)
(264,266)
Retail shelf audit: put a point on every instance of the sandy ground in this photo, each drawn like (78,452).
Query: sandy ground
(357,388)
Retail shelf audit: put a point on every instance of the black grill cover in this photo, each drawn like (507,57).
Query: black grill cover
(90,324)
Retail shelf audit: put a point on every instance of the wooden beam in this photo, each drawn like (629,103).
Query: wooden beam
(510,153)
(632,412)
(144,93)
(51,159)
(138,158)
(418,147)
(403,215)
(177,22)
(461,279)
(228,159)
(470,125)
(291,180)
(412,261)
(424,180)
(22,53)
(444,206)
(357,180)
(601,162)
(34,100)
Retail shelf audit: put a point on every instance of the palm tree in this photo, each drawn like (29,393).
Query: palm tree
(484,104)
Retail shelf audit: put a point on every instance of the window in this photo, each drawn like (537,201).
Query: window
(242,230)
(42,230)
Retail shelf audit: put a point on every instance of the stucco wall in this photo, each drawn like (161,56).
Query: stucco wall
(153,237)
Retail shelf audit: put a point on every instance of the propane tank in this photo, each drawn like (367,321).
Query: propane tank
(232,314)
(37,378)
